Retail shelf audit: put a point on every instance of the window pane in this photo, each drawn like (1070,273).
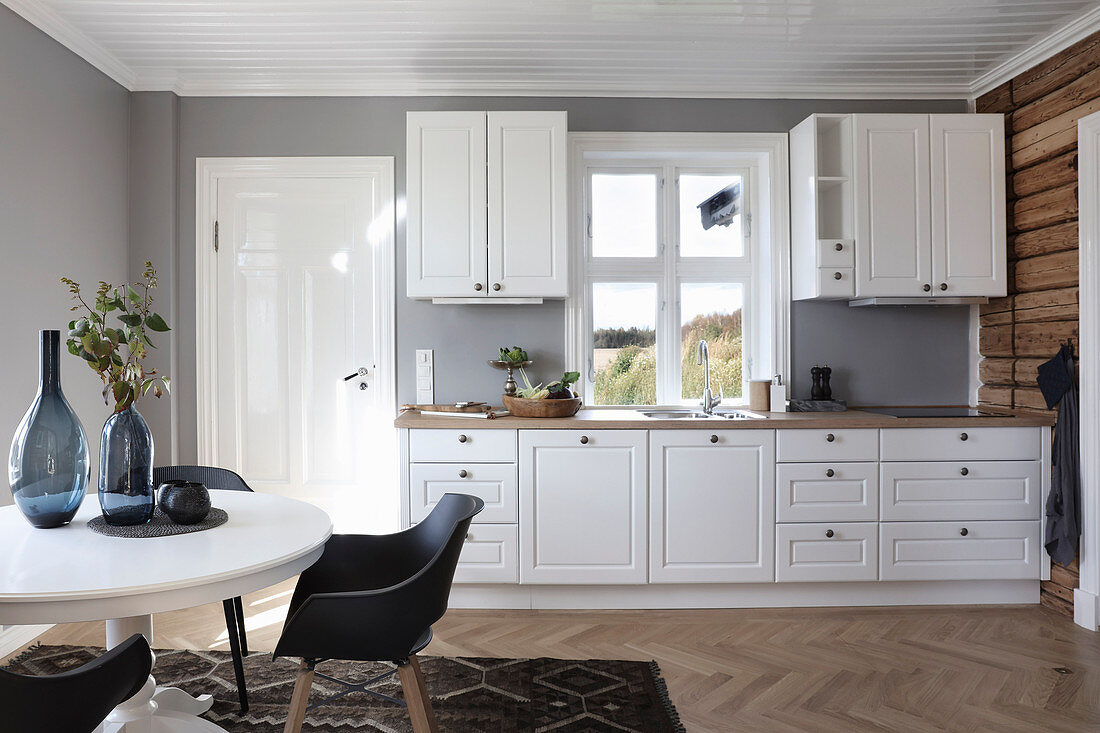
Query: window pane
(624,215)
(720,240)
(711,311)
(624,321)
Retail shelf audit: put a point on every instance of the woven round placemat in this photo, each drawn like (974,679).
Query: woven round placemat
(159,526)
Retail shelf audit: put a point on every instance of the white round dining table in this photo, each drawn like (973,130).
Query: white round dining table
(74,574)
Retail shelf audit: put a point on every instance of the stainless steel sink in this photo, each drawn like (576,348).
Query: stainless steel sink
(674,414)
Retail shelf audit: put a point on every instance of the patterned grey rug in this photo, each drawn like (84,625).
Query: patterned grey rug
(468,694)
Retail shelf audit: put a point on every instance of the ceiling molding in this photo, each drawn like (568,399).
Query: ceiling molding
(1056,42)
(59,29)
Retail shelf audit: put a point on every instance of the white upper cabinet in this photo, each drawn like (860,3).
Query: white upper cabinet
(486,205)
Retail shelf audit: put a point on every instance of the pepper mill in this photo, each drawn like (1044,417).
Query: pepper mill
(817,391)
(826,388)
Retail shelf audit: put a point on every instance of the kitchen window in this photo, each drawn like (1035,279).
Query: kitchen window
(650,280)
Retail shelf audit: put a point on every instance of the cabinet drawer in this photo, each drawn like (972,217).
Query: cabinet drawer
(494,483)
(822,446)
(490,554)
(961,444)
(836,253)
(808,553)
(485,446)
(820,492)
(830,285)
(961,490)
(940,550)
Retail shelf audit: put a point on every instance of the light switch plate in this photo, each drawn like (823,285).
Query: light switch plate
(425,376)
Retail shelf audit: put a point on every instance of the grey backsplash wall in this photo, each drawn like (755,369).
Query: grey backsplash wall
(890,355)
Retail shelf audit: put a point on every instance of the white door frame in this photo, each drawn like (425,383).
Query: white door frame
(380,235)
(1086,598)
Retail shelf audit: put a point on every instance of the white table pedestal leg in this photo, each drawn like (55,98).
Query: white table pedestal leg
(154,709)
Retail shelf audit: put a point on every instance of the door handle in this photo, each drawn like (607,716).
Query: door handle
(362,372)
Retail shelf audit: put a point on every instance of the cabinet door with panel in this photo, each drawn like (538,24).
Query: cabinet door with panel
(893,237)
(712,506)
(527,168)
(968,205)
(446,199)
(582,506)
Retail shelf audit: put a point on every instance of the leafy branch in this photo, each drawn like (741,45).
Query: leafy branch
(115,353)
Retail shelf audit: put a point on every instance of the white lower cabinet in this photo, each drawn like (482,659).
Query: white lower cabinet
(583,506)
(711,511)
(812,553)
(490,554)
(960,550)
(493,483)
(812,492)
(956,490)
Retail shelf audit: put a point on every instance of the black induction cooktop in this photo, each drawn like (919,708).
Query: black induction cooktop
(932,412)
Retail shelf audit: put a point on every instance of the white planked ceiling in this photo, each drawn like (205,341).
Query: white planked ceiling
(651,48)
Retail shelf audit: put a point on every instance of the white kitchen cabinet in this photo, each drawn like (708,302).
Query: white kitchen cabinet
(583,506)
(490,554)
(960,550)
(493,483)
(712,507)
(812,492)
(824,552)
(486,203)
(923,491)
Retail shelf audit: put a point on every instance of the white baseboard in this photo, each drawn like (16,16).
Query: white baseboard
(1086,609)
(14,638)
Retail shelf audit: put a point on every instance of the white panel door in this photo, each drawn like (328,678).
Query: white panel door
(295,317)
(826,492)
(582,506)
(968,205)
(960,550)
(962,490)
(712,506)
(816,553)
(445,200)
(527,168)
(893,237)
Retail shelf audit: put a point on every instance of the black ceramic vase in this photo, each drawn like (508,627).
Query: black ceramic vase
(185,502)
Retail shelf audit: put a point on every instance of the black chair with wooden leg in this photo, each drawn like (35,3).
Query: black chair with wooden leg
(219,479)
(374,598)
(76,701)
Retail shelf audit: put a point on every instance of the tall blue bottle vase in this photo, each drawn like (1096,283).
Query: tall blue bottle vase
(48,467)
(126,491)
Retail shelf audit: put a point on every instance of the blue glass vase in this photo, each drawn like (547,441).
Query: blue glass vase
(126,491)
(48,468)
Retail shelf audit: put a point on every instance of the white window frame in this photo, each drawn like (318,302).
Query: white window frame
(764,271)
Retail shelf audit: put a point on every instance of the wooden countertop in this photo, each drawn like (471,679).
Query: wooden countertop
(597,419)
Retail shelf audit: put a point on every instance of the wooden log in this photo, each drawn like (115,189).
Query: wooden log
(1045,208)
(1044,298)
(996,100)
(995,319)
(1058,71)
(1028,397)
(996,371)
(1054,126)
(995,341)
(1059,590)
(1041,339)
(1053,602)
(1027,371)
(997,305)
(1067,312)
(1062,142)
(1063,99)
(1043,176)
(1064,576)
(1046,272)
(1056,238)
(997,396)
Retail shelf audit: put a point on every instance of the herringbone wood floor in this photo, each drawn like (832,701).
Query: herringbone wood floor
(881,669)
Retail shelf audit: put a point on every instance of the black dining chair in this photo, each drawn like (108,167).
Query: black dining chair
(374,598)
(76,701)
(220,479)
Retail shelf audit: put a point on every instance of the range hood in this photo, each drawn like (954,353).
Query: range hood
(941,300)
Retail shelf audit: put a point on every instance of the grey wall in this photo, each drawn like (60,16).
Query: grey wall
(63,202)
(464,336)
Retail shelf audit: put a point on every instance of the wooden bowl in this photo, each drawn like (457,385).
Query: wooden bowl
(521,407)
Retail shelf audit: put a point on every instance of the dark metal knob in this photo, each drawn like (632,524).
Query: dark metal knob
(477,286)
(964,531)
(714,439)
(362,385)
(838,247)
(462,473)
(584,440)
(964,470)
(496,286)
(462,439)
(469,536)
(927,287)
(828,533)
(837,276)
(964,436)
(830,438)
(943,286)
(830,473)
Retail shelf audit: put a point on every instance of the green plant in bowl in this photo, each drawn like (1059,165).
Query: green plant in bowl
(514,355)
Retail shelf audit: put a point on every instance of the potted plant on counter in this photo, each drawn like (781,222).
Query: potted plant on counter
(556,399)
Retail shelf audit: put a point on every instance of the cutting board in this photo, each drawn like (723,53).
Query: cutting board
(483,407)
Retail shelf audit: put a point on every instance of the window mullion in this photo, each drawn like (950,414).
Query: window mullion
(669,372)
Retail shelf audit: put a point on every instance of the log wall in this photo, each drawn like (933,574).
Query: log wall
(1019,332)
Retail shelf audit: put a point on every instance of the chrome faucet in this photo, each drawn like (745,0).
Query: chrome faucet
(709,400)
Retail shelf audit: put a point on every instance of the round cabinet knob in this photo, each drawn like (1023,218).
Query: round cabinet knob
(714,439)
(964,436)
(469,536)
(830,438)
(496,286)
(837,276)
(477,286)
(362,386)
(927,287)
(830,473)
(584,440)
(463,473)
(838,247)
(964,470)
(964,531)
(828,533)
(462,439)
(943,286)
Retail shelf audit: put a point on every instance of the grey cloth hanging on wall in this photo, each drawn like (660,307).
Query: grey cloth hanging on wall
(1058,382)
